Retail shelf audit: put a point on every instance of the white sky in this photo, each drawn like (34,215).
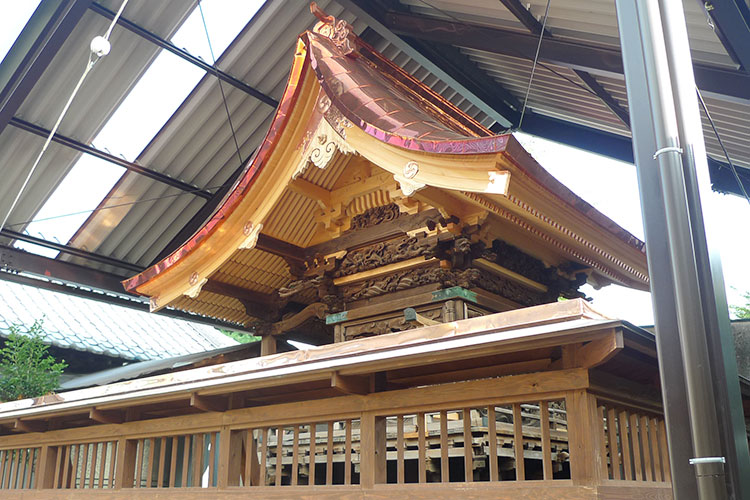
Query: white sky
(607,184)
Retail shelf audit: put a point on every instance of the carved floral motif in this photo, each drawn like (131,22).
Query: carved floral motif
(376,215)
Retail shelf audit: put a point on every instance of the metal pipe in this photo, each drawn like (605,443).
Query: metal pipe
(716,331)
(687,292)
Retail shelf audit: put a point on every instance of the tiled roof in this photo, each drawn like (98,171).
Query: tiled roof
(101,328)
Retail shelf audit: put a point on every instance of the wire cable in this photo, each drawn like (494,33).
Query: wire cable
(721,144)
(533,66)
(100,47)
(221,87)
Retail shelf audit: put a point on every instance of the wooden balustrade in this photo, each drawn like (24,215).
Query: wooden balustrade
(525,433)
(634,443)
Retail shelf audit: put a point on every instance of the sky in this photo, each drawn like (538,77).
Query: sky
(607,184)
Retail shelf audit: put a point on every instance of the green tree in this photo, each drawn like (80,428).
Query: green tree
(743,311)
(26,368)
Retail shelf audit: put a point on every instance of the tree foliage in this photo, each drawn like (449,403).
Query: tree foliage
(26,368)
(743,311)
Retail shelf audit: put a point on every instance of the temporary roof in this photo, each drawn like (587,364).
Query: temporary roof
(476,54)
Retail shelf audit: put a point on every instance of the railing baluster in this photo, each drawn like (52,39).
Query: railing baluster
(400,449)
(468,447)
(627,457)
(348,453)
(664,451)
(185,460)
(636,443)
(32,455)
(213,439)
(614,454)
(150,464)
(311,461)
(173,462)
(112,462)
(422,445)
(546,443)
(197,460)
(21,469)
(601,413)
(518,442)
(101,449)
(329,454)
(74,466)
(653,428)
(251,460)
(58,467)
(279,455)
(295,457)
(444,468)
(162,462)
(68,450)
(263,454)
(646,447)
(492,441)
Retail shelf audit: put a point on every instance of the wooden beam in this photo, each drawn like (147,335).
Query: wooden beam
(311,191)
(315,310)
(30,425)
(107,416)
(350,384)
(599,351)
(208,403)
(507,273)
(237,292)
(280,248)
(380,232)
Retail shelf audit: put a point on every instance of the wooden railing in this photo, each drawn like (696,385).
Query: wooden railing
(634,442)
(515,434)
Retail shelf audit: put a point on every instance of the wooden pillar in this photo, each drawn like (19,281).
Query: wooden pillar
(267,345)
(125,467)
(230,458)
(584,438)
(45,473)
(372,450)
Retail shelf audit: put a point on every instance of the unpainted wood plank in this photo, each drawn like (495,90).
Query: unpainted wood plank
(664,451)
(518,442)
(444,459)
(198,440)
(185,461)
(65,482)
(84,464)
(173,462)
(348,453)
(279,454)
(112,463)
(56,480)
(74,466)
(151,462)
(422,447)
(126,449)
(101,451)
(646,447)
(21,469)
(212,441)
(468,449)
(636,446)
(295,457)
(311,460)
(627,455)
(400,449)
(655,451)
(139,462)
(263,455)
(601,414)
(614,453)
(162,463)
(329,454)
(546,445)
(492,437)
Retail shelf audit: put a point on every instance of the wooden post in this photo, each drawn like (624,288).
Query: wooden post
(584,438)
(267,345)
(125,467)
(230,458)
(45,475)
(372,450)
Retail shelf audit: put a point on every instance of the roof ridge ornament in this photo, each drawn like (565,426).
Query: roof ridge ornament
(339,31)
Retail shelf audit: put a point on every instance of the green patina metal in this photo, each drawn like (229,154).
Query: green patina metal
(454,292)
(336,318)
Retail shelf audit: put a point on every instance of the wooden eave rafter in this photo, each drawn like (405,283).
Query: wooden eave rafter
(429,150)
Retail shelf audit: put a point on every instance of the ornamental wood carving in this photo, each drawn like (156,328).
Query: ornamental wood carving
(376,215)
(385,253)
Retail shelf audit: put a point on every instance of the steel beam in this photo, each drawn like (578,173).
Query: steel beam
(536,28)
(133,167)
(571,54)
(166,45)
(367,12)
(732,17)
(76,252)
(33,51)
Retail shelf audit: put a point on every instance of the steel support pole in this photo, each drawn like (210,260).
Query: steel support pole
(716,328)
(671,209)
(671,368)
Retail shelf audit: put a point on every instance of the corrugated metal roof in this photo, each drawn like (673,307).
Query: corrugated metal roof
(100,328)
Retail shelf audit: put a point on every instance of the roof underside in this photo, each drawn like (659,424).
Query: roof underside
(483,77)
